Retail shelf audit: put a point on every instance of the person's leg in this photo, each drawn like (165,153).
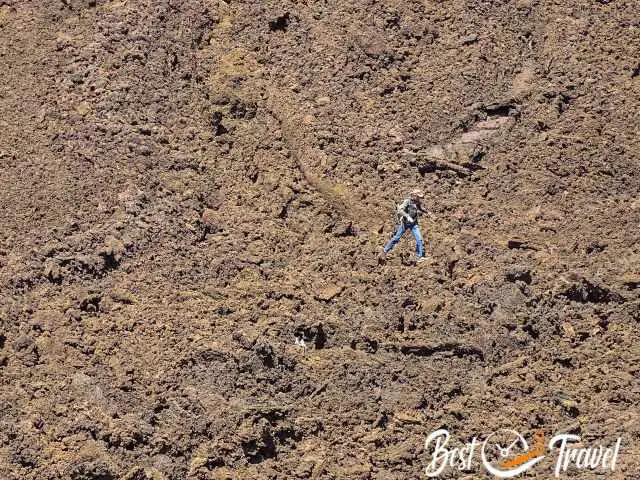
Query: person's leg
(415,229)
(396,238)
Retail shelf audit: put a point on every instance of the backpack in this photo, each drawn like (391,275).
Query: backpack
(407,207)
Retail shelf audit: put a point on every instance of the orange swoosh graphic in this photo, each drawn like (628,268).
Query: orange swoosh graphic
(536,451)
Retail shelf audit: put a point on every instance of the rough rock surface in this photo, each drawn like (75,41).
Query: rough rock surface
(194,195)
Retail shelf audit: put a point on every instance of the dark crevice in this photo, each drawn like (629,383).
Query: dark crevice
(258,452)
(457,349)
(316,334)
(216,124)
(280,24)
(587,292)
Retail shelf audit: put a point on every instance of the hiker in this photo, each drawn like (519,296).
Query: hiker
(407,217)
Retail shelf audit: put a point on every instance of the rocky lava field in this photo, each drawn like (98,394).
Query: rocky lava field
(195,194)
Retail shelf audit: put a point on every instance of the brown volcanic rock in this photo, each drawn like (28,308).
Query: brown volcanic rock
(195,195)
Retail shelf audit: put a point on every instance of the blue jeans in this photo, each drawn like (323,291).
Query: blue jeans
(400,231)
